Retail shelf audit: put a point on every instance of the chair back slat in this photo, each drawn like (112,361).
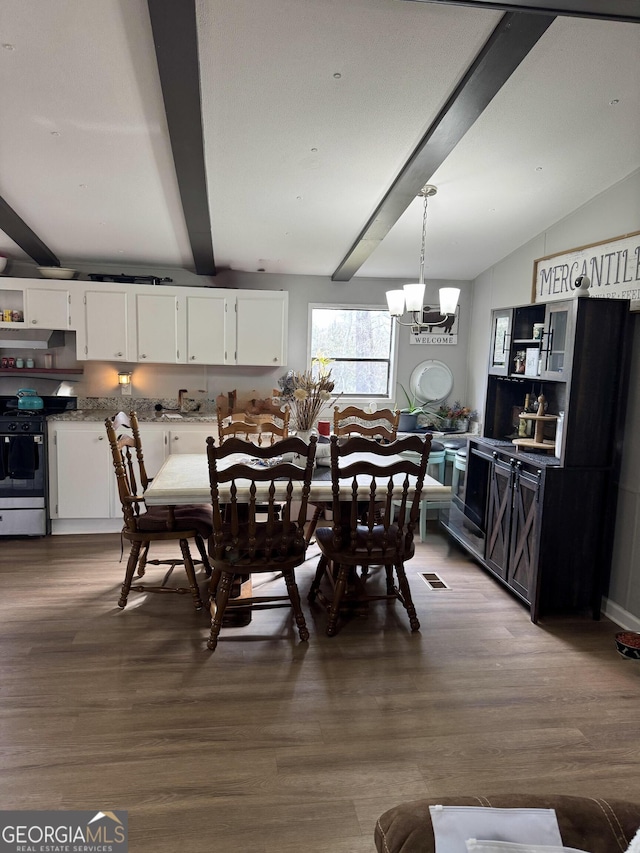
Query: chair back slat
(262,430)
(355,421)
(237,526)
(385,493)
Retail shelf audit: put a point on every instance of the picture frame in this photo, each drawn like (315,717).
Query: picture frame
(612,265)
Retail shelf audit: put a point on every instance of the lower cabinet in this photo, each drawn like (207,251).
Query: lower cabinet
(83,493)
(540,529)
(512,525)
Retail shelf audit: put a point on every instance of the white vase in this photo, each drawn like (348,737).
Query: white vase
(305,435)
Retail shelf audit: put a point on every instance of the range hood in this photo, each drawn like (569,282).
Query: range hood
(30,339)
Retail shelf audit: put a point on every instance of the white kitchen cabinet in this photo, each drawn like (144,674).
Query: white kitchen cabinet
(47,309)
(104,335)
(192,439)
(44,306)
(261,331)
(83,493)
(160,326)
(208,328)
(81,471)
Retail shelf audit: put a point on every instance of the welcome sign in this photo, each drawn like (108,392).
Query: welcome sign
(612,265)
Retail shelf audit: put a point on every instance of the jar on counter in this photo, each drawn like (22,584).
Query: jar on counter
(19,362)
(29,363)
(7,315)
(48,360)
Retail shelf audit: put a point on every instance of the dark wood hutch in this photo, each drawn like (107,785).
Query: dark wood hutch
(542,523)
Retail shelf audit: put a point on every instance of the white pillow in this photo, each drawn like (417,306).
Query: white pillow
(478,846)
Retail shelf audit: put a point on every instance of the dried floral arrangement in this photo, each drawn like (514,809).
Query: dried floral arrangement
(307,393)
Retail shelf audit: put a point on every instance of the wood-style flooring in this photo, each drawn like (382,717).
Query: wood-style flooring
(269,745)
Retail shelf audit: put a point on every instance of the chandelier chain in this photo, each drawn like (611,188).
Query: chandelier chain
(424,238)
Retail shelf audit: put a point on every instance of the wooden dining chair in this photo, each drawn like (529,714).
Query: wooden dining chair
(373,525)
(144,526)
(273,427)
(244,545)
(238,428)
(354,421)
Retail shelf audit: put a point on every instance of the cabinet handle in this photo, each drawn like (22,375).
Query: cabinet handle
(142,355)
(34,322)
(193,358)
(175,437)
(100,438)
(118,355)
(276,359)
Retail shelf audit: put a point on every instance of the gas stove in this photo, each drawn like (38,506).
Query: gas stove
(23,465)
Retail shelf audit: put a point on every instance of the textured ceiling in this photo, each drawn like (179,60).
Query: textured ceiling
(297,158)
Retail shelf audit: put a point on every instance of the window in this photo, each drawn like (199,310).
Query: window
(359,342)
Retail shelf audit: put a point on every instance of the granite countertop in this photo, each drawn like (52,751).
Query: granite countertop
(100,415)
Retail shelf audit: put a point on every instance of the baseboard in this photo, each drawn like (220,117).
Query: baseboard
(62,526)
(627,621)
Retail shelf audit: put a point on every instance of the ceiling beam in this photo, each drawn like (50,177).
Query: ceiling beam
(18,230)
(509,43)
(176,42)
(603,10)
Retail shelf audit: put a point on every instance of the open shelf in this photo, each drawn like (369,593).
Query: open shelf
(41,372)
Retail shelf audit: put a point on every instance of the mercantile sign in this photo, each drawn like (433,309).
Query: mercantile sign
(613,267)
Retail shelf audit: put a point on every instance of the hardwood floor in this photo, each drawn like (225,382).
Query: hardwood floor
(273,746)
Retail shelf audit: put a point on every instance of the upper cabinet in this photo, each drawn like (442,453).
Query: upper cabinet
(160,332)
(209,327)
(48,309)
(104,333)
(183,325)
(573,353)
(261,327)
(41,306)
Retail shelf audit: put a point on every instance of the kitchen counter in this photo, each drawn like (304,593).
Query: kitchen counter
(100,415)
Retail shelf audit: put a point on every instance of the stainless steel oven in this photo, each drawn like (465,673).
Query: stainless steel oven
(23,467)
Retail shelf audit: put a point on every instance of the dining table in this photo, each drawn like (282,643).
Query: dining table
(184,479)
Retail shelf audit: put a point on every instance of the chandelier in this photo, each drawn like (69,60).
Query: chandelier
(411,297)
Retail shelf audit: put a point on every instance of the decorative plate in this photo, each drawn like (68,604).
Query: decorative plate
(431,381)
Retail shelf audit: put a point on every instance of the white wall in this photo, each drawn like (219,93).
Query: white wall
(612,213)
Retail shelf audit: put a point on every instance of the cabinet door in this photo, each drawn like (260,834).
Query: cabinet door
(191,440)
(262,328)
(154,447)
(501,332)
(207,319)
(558,344)
(106,318)
(158,335)
(499,517)
(523,548)
(48,309)
(84,470)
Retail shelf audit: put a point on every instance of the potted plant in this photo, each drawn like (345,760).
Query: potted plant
(409,413)
(454,417)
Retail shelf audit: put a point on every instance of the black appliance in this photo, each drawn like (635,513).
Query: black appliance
(23,465)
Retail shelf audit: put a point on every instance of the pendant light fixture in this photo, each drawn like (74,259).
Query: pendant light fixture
(411,298)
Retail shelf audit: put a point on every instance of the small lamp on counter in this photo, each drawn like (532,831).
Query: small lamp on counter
(124,381)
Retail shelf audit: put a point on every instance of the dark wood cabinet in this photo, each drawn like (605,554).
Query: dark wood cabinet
(543,525)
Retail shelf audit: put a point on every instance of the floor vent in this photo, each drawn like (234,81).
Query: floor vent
(433,580)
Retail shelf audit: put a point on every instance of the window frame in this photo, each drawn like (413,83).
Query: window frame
(388,399)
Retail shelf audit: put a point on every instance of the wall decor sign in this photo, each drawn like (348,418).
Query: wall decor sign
(436,328)
(612,265)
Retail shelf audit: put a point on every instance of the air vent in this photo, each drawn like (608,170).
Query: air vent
(433,580)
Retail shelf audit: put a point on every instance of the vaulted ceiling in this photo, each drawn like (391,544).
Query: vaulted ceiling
(293,136)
